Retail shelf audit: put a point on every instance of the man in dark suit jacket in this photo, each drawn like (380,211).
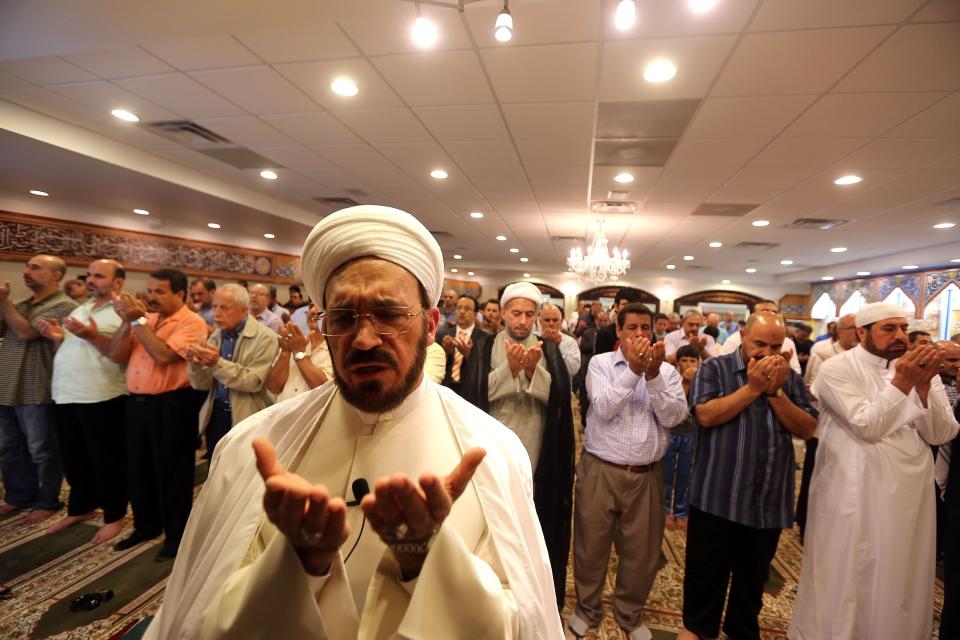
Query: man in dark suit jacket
(607,336)
(462,342)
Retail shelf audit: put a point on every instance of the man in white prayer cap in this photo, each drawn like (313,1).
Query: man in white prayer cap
(523,382)
(868,560)
(277,544)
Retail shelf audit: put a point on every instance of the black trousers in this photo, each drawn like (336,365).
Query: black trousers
(221,421)
(161,440)
(950,616)
(93,454)
(722,552)
(806,475)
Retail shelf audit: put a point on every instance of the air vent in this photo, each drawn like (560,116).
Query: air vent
(816,223)
(612,206)
(729,210)
(568,238)
(757,245)
(951,202)
(618,196)
(340,203)
(695,267)
(195,137)
(443,234)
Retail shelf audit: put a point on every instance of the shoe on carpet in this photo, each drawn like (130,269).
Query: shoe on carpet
(640,633)
(576,626)
(167,552)
(133,540)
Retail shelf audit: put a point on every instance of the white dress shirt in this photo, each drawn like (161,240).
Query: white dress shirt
(676,339)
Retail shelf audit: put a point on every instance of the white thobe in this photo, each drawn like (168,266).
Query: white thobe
(486,575)
(868,561)
(818,356)
(570,352)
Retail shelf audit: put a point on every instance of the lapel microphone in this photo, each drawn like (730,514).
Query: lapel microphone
(360,488)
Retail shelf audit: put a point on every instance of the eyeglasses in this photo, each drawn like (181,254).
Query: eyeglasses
(387,321)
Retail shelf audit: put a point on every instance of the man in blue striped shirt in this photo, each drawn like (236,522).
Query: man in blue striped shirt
(635,398)
(748,405)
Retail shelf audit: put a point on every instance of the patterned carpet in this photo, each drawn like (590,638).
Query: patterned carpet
(47,571)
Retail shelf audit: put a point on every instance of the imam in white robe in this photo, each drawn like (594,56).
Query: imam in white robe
(486,576)
(868,561)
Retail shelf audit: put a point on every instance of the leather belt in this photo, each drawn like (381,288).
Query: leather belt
(632,468)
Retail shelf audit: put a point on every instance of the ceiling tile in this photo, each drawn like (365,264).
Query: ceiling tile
(848,115)
(257,89)
(502,182)
(390,31)
(50,70)
(684,191)
(783,15)
(806,153)
(119,63)
(207,52)
(436,77)
(550,121)
(313,128)
(643,177)
(921,57)
(247,131)
(939,11)
(295,157)
(698,59)
(669,19)
(8,81)
(383,176)
(410,155)
(384,125)
(795,62)
(180,93)
(538,22)
(895,153)
(319,40)
(550,153)
(105,97)
(482,154)
(464,123)
(749,117)
(314,78)
(942,120)
(543,73)
(350,156)
(710,161)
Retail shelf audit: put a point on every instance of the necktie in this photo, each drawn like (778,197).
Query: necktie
(458,357)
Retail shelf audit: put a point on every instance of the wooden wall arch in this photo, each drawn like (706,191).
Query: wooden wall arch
(717,295)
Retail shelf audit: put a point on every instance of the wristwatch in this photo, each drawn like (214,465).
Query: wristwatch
(299,355)
(139,322)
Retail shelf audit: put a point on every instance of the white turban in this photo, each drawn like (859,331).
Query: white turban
(371,230)
(521,290)
(877,311)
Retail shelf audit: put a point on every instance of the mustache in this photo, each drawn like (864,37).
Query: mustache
(373,356)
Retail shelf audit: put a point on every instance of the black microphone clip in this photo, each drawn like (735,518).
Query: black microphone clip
(360,488)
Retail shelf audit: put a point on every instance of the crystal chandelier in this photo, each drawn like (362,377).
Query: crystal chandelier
(598,265)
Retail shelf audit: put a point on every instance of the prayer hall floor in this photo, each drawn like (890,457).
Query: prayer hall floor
(46,572)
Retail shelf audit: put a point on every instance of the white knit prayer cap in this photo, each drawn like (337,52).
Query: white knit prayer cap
(375,231)
(526,290)
(877,311)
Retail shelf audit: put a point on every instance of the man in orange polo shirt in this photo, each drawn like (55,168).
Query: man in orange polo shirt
(161,420)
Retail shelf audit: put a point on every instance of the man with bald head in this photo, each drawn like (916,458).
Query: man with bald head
(260,307)
(713,320)
(551,319)
(748,407)
(448,312)
(29,457)
(868,558)
(90,393)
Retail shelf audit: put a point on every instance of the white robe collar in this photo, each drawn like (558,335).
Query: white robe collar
(870,360)
(409,404)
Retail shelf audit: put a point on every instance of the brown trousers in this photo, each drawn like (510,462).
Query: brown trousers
(626,509)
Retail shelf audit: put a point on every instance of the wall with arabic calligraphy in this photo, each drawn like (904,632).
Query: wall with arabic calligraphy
(921,287)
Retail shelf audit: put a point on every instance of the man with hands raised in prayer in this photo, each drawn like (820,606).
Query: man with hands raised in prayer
(278,545)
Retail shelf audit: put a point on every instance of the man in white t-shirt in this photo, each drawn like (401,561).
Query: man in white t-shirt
(732,343)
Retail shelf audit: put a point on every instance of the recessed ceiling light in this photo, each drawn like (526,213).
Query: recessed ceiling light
(671,266)
(845,180)
(501,238)
(469,273)
(526,275)
(424,32)
(688,258)
(750,270)
(454,270)
(701,6)
(715,245)
(37,192)
(786,263)
(623,178)
(625,16)
(910,266)
(439,174)
(659,70)
(725,281)
(344,87)
(760,223)
(267,174)
(514,250)
(863,273)
(125,115)
(269,236)
(826,277)
(142,212)
(944,225)
(476,214)
(524,259)
(457,256)
(213,225)
(838,250)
